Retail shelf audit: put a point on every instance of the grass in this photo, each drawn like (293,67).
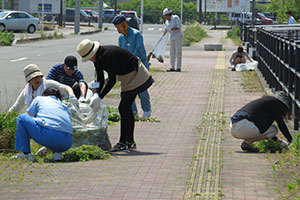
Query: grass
(194,33)
(235,35)
(251,82)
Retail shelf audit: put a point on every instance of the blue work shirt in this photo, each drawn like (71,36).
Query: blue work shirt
(133,42)
(58,74)
(50,112)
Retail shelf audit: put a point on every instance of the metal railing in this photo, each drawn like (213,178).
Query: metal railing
(277,50)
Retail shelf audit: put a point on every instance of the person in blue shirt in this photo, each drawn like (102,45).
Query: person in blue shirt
(132,40)
(48,123)
(69,74)
(290,17)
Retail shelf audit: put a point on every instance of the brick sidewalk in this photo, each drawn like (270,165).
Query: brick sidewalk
(161,166)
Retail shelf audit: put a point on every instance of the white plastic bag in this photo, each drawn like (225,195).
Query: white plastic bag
(246,66)
(159,50)
(89,125)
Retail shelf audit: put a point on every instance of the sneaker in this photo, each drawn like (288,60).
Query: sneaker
(23,156)
(147,114)
(171,70)
(178,70)
(57,156)
(42,151)
(131,145)
(248,147)
(120,146)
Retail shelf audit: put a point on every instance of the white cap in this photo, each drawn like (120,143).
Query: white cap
(167,11)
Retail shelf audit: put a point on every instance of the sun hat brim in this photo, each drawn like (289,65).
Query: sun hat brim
(92,53)
(33,75)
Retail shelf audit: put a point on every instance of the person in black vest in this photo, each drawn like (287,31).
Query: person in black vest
(254,121)
(125,67)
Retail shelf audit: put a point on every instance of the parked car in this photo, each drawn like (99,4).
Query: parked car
(270,15)
(264,19)
(245,17)
(109,14)
(18,20)
(93,14)
(131,18)
(70,15)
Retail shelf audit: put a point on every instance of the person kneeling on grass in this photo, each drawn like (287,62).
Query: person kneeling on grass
(254,121)
(49,123)
(239,56)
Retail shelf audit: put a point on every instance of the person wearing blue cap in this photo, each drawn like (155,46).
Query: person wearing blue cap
(132,40)
(68,74)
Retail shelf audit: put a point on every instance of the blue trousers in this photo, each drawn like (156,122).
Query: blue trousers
(145,102)
(27,128)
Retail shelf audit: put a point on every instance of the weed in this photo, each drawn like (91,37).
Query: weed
(6,38)
(251,82)
(194,33)
(7,131)
(235,35)
(268,146)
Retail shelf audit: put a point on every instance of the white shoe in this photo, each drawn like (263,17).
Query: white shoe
(284,144)
(57,156)
(147,114)
(23,156)
(42,151)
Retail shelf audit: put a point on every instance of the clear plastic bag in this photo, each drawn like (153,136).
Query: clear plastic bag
(246,66)
(90,126)
(159,50)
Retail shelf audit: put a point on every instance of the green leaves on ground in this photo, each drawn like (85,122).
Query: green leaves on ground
(6,38)
(8,128)
(268,146)
(85,153)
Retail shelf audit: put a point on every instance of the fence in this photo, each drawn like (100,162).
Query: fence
(277,50)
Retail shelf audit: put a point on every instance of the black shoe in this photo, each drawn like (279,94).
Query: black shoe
(131,145)
(178,70)
(248,147)
(171,70)
(120,146)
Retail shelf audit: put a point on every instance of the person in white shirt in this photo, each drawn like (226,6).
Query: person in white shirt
(173,25)
(291,18)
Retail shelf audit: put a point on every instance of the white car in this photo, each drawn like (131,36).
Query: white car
(18,20)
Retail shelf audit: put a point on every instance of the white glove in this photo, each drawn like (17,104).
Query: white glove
(73,101)
(284,144)
(95,102)
(82,99)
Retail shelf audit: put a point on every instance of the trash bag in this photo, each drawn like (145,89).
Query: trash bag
(159,50)
(246,66)
(90,126)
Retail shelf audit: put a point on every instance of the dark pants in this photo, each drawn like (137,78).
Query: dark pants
(126,113)
(76,89)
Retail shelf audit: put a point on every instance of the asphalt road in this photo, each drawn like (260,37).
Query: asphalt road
(50,52)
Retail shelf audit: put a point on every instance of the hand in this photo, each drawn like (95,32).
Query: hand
(73,101)
(82,99)
(284,144)
(95,102)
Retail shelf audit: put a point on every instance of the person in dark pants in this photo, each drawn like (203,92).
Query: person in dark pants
(125,67)
(69,74)
(254,121)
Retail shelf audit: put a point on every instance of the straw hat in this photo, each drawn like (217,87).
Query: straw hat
(31,71)
(87,49)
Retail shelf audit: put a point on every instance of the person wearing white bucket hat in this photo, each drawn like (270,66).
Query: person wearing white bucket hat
(125,67)
(173,25)
(254,121)
(36,84)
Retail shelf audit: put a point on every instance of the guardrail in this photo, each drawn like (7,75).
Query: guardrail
(277,50)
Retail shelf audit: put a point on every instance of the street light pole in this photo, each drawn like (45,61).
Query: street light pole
(253,12)
(200,11)
(100,14)
(181,11)
(142,15)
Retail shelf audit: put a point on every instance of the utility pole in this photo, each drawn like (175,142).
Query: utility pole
(253,12)
(200,11)
(181,5)
(4,6)
(77,17)
(142,15)
(116,4)
(100,14)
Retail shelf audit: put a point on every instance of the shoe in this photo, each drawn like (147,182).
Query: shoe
(131,145)
(284,144)
(248,147)
(42,151)
(120,146)
(57,156)
(178,70)
(171,70)
(23,156)
(147,114)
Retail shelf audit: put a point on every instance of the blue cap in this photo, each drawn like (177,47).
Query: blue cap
(118,19)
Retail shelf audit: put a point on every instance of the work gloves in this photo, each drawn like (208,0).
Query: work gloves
(95,102)
(73,101)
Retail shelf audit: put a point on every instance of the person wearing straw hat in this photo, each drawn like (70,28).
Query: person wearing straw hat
(254,121)
(36,84)
(132,40)
(125,67)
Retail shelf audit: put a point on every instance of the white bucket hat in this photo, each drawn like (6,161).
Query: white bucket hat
(167,11)
(31,71)
(87,49)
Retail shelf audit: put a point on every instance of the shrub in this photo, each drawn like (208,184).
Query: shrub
(235,35)
(194,33)
(85,153)
(6,38)
(7,131)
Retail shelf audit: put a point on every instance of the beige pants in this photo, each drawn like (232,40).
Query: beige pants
(246,129)
(176,53)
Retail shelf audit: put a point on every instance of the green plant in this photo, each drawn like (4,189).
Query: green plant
(6,38)
(268,146)
(7,131)
(296,144)
(194,33)
(235,35)
(113,114)
(85,153)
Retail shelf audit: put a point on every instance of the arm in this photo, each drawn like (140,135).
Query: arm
(19,104)
(248,57)
(111,82)
(177,24)
(283,128)
(83,89)
(233,56)
(64,89)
